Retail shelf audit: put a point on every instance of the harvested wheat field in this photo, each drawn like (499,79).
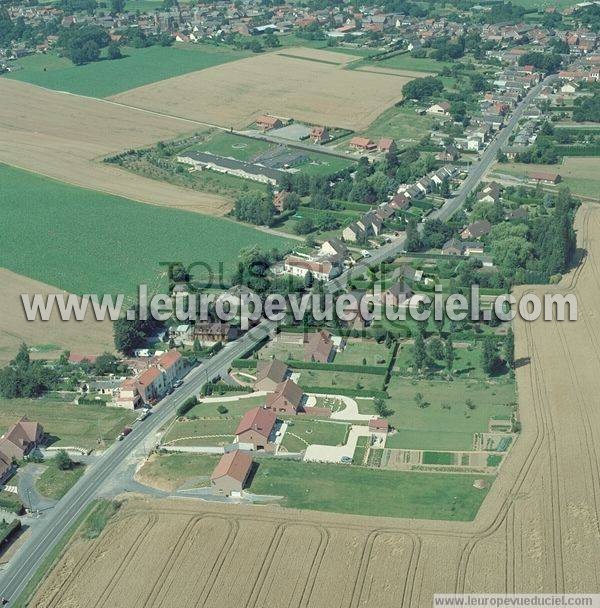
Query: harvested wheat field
(318,55)
(538,529)
(236,93)
(88,337)
(65,137)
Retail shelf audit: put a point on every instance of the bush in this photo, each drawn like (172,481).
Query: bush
(10,502)
(222,409)
(63,461)
(186,406)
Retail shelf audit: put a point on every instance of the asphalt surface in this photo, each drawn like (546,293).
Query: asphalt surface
(59,520)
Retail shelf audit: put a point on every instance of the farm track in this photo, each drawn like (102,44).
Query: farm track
(542,514)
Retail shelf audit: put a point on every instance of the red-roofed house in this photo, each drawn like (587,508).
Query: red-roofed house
(256,427)
(288,397)
(386,144)
(378,425)
(231,473)
(319,135)
(362,143)
(172,365)
(20,439)
(267,122)
(547,178)
(319,347)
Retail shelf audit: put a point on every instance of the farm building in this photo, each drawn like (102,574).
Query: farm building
(231,166)
(322,270)
(546,178)
(256,428)
(270,374)
(231,473)
(280,157)
(439,109)
(288,397)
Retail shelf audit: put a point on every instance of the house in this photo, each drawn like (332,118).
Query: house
(269,374)
(77,358)
(476,230)
(371,223)
(287,397)
(439,109)
(490,193)
(397,294)
(172,365)
(452,247)
(300,267)
(472,248)
(152,384)
(128,395)
(319,347)
(7,467)
(362,143)
(279,200)
(266,122)
(448,155)
(546,178)
(400,201)
(209,333)
(256,428)
(408,272)
(354,233)
(20,439)
(334,247)
(319,135)
(386,144)
(231,473)
(378,425)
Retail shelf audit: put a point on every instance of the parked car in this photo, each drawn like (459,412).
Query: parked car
(346,460)
(144,414)
(178,384)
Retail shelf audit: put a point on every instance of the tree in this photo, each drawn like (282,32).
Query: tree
(63,460)
(436,349)
(117,6)
(308,280)
(413,241)
(305,226)
(381,408)
(222,409)
(470,404)
(419,351)
(114,52)
(255,208)
(419,400)
(489,355)
(449,354)
(509,349)
(105,364)
(422,88)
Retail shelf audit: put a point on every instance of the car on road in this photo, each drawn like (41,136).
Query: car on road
(124,433)
(178,384)
(346,460)
(144,414)
(365,253)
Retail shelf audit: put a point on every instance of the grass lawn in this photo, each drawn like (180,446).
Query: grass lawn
(415,64)
(169,471)
(54,483)
(433,427)
(79,239)
(579,173)
(331,380)
(301,433)
(401,124)
(234,408)
(137,68)
(203,432)
(286,346)
(356,350)
(10,502)
(65,423)
(361,491)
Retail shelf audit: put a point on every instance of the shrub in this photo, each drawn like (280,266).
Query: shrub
(186,406)
(222,409)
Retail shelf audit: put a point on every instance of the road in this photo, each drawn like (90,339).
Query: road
(43,538)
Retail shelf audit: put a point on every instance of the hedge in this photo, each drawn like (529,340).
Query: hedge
(186,406)
(244,363)
(9,532)
(345,392)
(10,502)
(337,367)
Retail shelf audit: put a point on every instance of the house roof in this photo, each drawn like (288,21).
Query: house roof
(149,376)
(23,432)
(385,143)
(258,419)
(268,120)
(479,228)
(319,343)
(400,288)
(275,370)
(379,424)
(361,141)
(236,465)
(289,390)
(323,267)
(169,359)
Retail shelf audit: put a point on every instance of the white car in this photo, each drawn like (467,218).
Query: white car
(365,253)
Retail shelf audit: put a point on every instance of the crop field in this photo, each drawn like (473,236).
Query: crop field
(68,425)
(402,124)
(66,137)
(47,339)
(407,62)
(234,94)
(536,531)
(137,67)
(79,239)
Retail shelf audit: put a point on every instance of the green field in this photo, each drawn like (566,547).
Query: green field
(331,380)
(171,470)
(137,68)
(246,149)
(358,350)
(301,433)
(401,124)
(362,491)
(88,242)
(65,423)
(414,64)
(436,428)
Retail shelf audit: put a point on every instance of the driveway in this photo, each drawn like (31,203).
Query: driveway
(31,498)
(331,453)
(350,411)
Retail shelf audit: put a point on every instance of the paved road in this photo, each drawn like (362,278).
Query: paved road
(64,515)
